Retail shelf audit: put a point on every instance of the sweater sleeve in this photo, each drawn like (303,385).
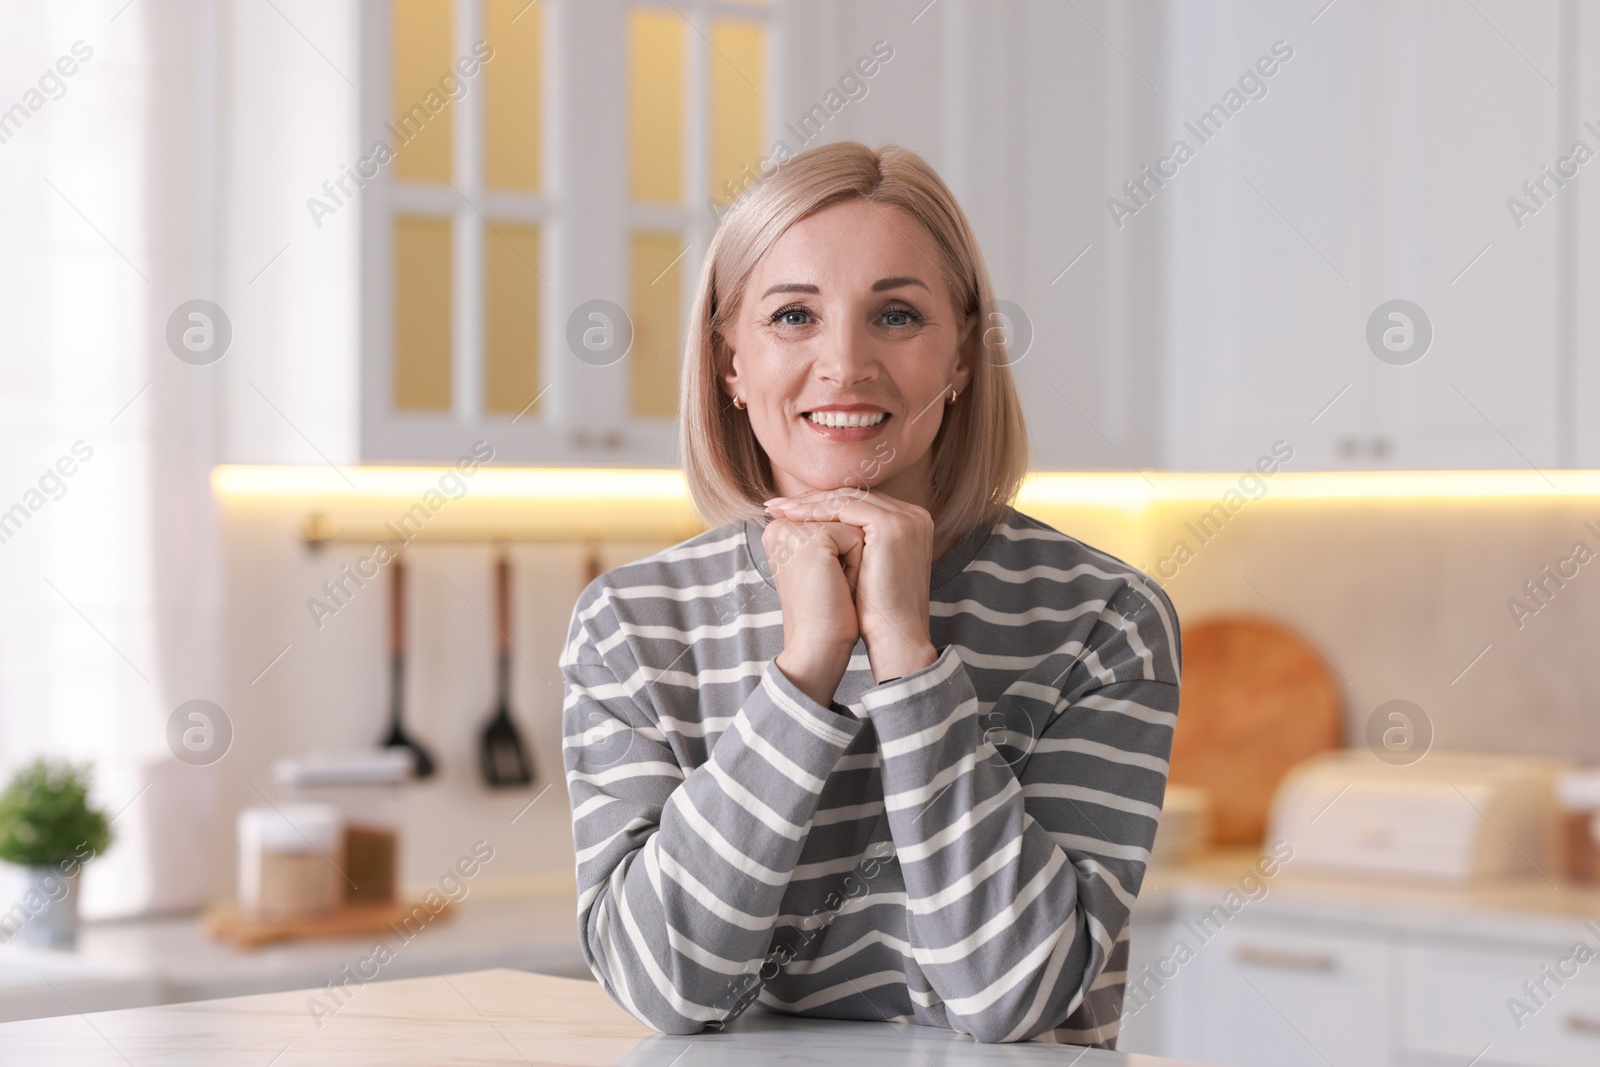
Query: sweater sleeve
(681,871)
(1021,869)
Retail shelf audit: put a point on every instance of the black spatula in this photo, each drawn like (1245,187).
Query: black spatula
(397,678)
(504,756)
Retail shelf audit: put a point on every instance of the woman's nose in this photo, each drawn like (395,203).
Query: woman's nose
(847,357)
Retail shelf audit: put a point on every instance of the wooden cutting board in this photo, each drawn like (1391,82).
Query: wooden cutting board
(228,923)
(1255,700)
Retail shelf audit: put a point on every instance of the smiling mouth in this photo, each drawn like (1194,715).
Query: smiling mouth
(839,420)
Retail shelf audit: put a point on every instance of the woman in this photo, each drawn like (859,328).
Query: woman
(877,746)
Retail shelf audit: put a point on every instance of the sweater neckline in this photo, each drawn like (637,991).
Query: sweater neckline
(944,570)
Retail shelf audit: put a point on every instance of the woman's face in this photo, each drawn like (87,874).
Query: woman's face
(846,318)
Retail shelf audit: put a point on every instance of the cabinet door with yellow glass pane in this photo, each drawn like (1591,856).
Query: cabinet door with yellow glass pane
(539,181)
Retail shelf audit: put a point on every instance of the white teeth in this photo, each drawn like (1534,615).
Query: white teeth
(839,419)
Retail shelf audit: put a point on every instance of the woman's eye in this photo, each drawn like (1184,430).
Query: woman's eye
(791,316)
(901,317)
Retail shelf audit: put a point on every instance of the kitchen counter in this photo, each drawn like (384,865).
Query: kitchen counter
(496,1017)
(1523,911)
(144,962)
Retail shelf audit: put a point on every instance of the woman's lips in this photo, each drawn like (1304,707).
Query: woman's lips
(846,433)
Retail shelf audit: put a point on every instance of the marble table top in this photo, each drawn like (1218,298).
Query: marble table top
(489,1018)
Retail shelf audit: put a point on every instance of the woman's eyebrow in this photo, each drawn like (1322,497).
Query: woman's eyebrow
(791,287)
(883,284)
(879,286)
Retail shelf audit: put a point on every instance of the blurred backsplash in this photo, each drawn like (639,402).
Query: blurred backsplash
(1409,600)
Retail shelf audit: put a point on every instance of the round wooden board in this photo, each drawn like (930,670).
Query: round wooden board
(1255,700)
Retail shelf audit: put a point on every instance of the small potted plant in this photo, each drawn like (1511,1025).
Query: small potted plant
(48,828)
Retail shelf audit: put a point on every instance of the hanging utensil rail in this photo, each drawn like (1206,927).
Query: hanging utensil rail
(322,529)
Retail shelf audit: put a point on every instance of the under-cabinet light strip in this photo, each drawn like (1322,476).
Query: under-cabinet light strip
(1042,489)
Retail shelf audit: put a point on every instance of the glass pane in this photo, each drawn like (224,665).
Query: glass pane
(421,314)
(511,308)
(423,33)
(738,74)
(657,53)
(656,291)
(511,104)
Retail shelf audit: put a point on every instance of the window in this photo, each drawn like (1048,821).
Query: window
(544,155)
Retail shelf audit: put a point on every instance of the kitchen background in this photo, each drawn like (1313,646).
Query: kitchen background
(1174,317)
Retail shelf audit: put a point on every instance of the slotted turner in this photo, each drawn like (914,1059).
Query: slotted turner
(503,755)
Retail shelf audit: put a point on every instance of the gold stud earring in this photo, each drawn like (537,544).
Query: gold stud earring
(952,398)
(739,403)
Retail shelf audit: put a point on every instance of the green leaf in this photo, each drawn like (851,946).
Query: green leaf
(45,817)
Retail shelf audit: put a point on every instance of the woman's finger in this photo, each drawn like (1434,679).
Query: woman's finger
(870,509)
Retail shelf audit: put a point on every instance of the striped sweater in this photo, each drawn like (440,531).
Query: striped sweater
(959,847)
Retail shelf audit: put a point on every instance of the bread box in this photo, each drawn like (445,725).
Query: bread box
(1451,817)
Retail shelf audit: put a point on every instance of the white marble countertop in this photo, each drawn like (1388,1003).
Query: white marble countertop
(489,1018)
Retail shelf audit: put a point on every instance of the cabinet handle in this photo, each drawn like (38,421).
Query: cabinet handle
(1252,956)
(609,439)
(1587,1025)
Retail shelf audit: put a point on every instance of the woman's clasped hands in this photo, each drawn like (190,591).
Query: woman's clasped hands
(850,563)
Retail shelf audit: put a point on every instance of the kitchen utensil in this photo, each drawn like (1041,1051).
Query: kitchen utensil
(502,753)
(1255,701)
(397,677)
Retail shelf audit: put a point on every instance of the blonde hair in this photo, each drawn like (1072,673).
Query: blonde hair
(980,453)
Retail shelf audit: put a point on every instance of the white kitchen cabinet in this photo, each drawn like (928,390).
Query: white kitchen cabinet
(1357,977)
(1466,1002)
(586,211)
(1230,312)
(536,298)
(1376,167)
(1267,995)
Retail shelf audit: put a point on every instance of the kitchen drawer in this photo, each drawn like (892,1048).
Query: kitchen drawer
(1458,1005)
(1266,996)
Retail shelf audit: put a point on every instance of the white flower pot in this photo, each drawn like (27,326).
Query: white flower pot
(47,911)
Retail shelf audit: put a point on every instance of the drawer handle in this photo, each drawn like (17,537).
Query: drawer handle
(1252,956)
(1587,1025)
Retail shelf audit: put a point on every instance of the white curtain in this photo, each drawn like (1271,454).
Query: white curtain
(108,575)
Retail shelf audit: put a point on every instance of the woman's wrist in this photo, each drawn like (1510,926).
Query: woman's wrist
(816,674)
(896,659)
